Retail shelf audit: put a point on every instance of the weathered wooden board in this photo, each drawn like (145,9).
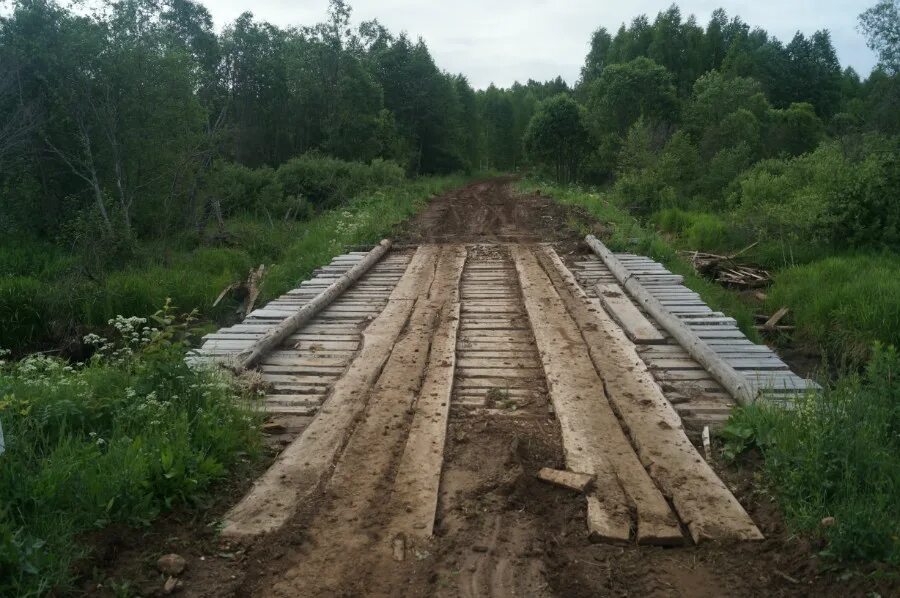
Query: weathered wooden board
(627,315)
(593,440)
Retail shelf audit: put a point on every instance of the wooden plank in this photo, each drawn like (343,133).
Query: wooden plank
(706,506)
(414,497)
(629,317)
(593,440)
(510,372)
(573,480)
(371,453)
(295,320)
(299,469)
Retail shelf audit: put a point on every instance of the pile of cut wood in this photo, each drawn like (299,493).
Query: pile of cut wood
(724,269)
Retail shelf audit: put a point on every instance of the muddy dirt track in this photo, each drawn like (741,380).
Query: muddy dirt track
(497,530)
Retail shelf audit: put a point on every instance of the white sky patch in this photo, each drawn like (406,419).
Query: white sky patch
(502,41)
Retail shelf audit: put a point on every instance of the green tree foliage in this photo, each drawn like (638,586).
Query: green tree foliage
(111,121)
(628,91)
(598,56)
(793,131)
(556,136)
(881,25)
(826,197)
(499,130)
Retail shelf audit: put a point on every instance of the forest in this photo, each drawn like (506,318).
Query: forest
(147,161)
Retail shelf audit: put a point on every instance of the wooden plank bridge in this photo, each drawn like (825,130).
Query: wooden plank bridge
(502,330)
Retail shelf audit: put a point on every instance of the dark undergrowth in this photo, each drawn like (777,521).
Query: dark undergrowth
(50,296)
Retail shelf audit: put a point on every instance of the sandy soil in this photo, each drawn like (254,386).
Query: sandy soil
(498,531)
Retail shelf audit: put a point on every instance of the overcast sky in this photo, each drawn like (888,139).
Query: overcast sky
(502,41)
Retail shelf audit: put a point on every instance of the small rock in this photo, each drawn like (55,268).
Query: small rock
(171,564)
(827,521)
(398,547)
(171,586)
(479,548)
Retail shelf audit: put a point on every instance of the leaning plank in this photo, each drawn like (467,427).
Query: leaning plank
(703,502)
(573,480)
(277,335)
(726,375)
(628,316)
(415,493)
(593,439)
(301,467)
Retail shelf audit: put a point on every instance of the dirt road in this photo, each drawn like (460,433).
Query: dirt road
(489,370)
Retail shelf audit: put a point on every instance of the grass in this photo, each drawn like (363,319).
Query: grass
(46,298)
(699,231)
(843,304)
(623,232)
(117,440)
(364,221)
(836,456)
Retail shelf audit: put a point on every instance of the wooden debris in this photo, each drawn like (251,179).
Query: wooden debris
(724,269)
(772,322)
(247,291)
(706,444)
(786,577)
(573,480)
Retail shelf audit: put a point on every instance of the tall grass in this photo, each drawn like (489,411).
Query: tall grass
(843,304)
(622,232)
(701,231)
(365,220)
(836,456)
(130,434)
(44,300)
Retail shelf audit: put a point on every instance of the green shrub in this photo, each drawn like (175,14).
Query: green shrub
(363,221)
(58,301)
(117,440)
(326,182)
(825,198)
(245,190)
(719,177)
(843,304)
(297,186)
(836,455)
(699,231)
